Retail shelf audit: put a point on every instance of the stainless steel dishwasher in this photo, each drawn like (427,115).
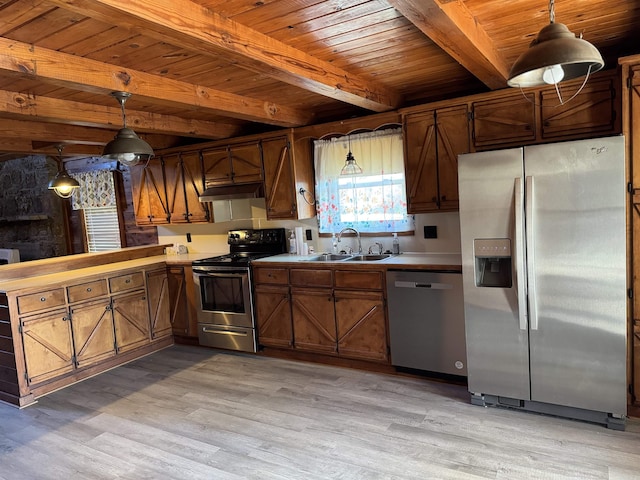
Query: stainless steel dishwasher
(426,321)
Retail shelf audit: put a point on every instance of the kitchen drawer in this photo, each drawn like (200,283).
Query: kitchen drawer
(279,276)
(123,283)
(310,278)
(41,300)
(359,280)
(86,291)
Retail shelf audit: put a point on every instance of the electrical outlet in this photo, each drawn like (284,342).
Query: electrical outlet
(430,231)
(188,237)
(308,233)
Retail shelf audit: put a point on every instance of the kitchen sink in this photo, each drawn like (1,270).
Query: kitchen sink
(330,257)
(368,258)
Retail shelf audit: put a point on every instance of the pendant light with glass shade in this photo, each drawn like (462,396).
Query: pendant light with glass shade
(351,167)
(555,55)
(127,148)
(63,184)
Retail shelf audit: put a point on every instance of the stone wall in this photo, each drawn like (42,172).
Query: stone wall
(31,216)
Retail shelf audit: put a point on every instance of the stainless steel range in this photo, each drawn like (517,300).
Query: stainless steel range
(224,290)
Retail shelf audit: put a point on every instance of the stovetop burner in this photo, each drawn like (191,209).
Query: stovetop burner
(247,245)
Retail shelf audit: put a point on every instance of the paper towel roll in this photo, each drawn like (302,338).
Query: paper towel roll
(299,240)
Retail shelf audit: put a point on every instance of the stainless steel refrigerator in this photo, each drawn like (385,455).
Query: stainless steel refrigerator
(544,278)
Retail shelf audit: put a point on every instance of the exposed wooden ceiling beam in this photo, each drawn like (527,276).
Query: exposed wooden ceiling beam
(451,26)
(16,147)
(69,71)
(45,109)
(192,26)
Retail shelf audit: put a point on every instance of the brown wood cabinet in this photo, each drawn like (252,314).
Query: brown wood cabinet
(593,112)
(182,310)
(93,335)
(433,141)
(509,119)
(149,193)
(131,320)
(631,129)
(331,311)
(184,181)
(235,163)
(279,182)
(158,293)
(48,349)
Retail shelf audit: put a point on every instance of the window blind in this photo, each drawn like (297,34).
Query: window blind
(102,228)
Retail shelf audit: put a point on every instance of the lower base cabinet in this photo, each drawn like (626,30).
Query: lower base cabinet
(324,311)
(68,332)
(182,310)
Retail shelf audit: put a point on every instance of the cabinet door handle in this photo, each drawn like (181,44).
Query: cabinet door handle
(89,289)
(43,299)
(128,280)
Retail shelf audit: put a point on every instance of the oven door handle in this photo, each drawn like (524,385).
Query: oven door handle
(211,273)
(224,332)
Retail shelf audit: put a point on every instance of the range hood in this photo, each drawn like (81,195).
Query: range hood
(232,192)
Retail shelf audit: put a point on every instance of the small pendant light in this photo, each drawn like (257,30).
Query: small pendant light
(351,167)
(63,184)
(127,148)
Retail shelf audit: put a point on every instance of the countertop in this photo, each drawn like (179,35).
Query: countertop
(409,260)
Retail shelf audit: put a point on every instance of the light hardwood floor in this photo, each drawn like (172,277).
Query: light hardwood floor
(197,413)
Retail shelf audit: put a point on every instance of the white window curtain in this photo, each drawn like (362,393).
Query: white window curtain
(372,202)
(97,189)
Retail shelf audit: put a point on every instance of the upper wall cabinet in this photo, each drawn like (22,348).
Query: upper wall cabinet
(594,111)
(237,163)
(183,176)
(279,183)
(507,120)
(149,193)
(433,141)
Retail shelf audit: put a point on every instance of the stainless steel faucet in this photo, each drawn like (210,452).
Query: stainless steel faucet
(357,235)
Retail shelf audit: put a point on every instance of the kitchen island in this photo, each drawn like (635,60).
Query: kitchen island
(68,318)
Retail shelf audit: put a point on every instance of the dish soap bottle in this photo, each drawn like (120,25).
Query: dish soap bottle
(395,245)
(292,243)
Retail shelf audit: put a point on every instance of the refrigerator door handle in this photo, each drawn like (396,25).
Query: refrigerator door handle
(519,252)
(530,229)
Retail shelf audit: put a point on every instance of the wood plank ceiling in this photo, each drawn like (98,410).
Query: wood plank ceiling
(210,69)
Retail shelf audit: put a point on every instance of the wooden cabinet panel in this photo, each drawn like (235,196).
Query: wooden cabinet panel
(279,179)
(149,193)
(421,172)
(122,283)
(452,136)
(314,326)
(41,301)
(93,336)
(359,279)
(273,316)
(303,277)
(178,305)
(361,325)
(278,276)
(505,120)
(183,177)
(246,163)
(593,111)
(216,166)
(48,350)
(87,291)
(158,293)
(131,320)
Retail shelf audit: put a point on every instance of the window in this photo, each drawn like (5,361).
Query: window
(102,228)
(96,197)
(372,202)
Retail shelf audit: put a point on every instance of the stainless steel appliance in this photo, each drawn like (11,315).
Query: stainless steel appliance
(223,289)
(426,321)
(544,276)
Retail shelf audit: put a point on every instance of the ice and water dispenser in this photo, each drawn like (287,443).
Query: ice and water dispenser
(493,262)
